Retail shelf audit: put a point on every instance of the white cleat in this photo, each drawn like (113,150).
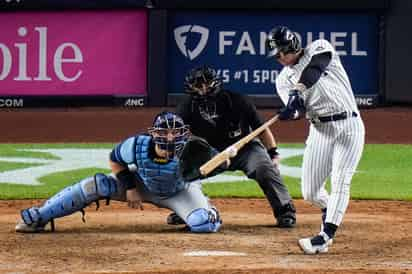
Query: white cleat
(308,248)
(22,227)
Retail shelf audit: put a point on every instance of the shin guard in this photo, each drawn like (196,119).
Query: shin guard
(71,199)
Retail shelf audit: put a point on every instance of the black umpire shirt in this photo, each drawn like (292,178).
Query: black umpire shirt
(223,120)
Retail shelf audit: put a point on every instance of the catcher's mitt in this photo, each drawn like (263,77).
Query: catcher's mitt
(194,154)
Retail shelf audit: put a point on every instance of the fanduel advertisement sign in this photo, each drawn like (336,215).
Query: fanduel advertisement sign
(73,53)
(234,44)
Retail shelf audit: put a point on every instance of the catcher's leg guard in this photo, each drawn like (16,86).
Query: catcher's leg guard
(202,220)
(69,200)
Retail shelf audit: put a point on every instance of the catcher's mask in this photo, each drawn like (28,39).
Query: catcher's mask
(204,85)
(282,39)
(169,132)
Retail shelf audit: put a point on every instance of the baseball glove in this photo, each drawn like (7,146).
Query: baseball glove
(194,154)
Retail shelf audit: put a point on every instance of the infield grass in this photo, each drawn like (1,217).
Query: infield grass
(384,173)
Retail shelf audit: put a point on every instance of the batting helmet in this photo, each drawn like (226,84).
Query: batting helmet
(201,77)
(169,132)
(282,39)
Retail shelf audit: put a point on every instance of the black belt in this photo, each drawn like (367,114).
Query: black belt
(335,117)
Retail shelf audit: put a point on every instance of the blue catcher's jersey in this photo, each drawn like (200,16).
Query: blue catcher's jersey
(159,178)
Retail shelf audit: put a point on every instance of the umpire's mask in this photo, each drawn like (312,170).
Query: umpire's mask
(203,85)
(169,133)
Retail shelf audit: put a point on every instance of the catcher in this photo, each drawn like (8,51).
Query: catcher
(157,179)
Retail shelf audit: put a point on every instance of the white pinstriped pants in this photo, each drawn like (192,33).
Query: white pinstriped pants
(333,149)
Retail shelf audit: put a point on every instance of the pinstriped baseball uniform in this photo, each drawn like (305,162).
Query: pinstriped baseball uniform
(333,148)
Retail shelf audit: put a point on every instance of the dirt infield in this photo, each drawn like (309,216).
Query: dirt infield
(375,237)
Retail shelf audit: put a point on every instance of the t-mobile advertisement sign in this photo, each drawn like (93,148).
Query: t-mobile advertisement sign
(234,44)
(73,53)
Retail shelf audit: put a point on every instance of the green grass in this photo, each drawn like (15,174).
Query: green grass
(4,166)
(50,184)
(383,173)
(12,151)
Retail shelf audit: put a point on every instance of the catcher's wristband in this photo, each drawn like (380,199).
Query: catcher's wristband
(273,152)
(127,178)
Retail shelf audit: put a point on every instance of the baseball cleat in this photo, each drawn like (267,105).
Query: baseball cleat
(315,245)
(287,216)
(286,222)
(22,227)
(174,219)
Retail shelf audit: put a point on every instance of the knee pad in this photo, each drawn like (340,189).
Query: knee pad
(71,199)
(203,220)
(100,187)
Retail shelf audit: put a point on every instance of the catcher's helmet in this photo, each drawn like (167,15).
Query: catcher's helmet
(199,77)
(169,132)
(282,39)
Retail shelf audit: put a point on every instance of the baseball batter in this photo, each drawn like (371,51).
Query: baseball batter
(313,81)
(156,179)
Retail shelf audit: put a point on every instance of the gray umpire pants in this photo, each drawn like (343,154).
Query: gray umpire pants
(255,162)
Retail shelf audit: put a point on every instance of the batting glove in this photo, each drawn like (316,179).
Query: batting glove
(294,108)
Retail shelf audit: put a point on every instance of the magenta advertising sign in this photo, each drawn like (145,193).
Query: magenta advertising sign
(73,53)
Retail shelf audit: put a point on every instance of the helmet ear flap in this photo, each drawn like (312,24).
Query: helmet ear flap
(295,44)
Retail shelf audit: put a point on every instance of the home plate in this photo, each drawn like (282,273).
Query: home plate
(213,253)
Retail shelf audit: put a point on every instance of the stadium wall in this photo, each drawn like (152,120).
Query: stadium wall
(371,46)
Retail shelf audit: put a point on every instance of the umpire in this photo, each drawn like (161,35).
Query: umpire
(222,118)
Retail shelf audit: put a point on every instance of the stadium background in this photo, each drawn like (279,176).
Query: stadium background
(48,60)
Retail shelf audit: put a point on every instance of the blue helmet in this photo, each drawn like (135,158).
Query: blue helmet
(282,39)
(169,132)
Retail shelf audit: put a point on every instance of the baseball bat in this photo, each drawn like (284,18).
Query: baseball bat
(232,150)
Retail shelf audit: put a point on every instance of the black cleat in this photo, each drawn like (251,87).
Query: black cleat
(174,219)
(287,216)
(286,222)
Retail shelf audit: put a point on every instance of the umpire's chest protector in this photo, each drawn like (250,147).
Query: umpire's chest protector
(160,179)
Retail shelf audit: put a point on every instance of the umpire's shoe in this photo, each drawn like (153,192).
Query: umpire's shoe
(287,216)
(22,227)
(174,219)
(315,245)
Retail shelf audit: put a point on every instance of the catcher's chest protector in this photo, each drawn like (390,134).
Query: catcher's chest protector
(160,179)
